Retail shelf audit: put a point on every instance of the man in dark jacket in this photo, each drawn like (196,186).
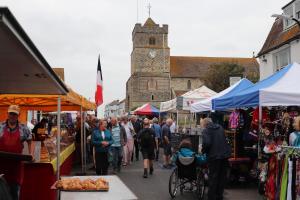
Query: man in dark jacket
(218,151)
(137,127)
(147,141)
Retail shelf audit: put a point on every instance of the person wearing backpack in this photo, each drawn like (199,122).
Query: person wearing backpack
(147,140)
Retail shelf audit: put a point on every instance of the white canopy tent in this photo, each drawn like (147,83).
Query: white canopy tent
(285,92)
(207,104)
(184,101)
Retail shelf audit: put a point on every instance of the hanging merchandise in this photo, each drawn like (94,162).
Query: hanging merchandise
(234,119)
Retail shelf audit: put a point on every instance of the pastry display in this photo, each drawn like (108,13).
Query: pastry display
(83,185)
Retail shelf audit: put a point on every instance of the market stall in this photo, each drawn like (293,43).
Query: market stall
(181,105)
(207,104)
(45,170)
(148,110)
(26,78)
(184,101)
(277,153)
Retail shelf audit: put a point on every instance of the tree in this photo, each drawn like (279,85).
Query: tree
(217,76)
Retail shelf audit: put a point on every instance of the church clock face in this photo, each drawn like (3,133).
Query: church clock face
(152,54)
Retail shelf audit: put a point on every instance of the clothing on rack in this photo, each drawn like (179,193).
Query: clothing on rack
(234,119)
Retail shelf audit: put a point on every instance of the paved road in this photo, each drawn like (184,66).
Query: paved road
(156,186)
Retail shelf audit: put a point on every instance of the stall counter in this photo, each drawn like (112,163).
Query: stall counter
(38,177)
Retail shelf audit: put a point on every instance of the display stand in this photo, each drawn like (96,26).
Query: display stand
(38,177)
(117,190)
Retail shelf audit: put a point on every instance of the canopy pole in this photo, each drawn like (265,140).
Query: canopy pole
(81,138)
(84,142)
(159,117)
(191,117)
(177,120)
(259,129)
(58,141)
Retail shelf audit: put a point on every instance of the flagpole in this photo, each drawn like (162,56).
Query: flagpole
(99,87)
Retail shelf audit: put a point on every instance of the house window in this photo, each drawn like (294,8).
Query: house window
(152,97)
(282,58)
(288,11)
(189,85)
(152,41)
(297,9)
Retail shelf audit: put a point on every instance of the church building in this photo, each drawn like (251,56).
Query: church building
(156,76)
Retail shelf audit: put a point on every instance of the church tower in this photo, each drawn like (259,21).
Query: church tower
(150,66)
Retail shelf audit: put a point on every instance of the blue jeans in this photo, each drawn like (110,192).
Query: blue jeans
(117,157)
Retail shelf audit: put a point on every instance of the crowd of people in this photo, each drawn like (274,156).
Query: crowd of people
(117,142)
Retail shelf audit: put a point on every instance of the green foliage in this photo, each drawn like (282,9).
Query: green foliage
(253,76)
(217,76)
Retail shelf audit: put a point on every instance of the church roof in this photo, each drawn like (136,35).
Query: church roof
(113,103)
(196,67)
(278,37)
(149,22)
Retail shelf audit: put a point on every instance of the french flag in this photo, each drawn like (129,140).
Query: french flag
(99,88)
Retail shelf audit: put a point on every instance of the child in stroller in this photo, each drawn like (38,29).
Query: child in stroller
(186,155)
(189,173)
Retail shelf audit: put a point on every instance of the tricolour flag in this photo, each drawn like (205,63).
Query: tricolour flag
(99,87)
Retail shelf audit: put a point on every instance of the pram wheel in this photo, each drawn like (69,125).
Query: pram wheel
(200,185)
(173,183)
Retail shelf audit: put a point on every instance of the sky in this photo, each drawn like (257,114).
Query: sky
(72,33)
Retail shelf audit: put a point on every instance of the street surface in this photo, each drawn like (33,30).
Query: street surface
(155,187)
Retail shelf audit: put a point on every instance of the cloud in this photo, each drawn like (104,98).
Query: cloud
(71,33)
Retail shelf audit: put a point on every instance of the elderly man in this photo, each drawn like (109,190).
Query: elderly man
(218,151)
(137,127)
(12,136)
(166,141)
(119,140)
(147,139)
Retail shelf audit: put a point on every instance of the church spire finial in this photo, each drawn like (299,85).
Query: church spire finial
(149,9)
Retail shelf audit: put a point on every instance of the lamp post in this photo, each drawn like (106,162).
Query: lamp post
(287,17)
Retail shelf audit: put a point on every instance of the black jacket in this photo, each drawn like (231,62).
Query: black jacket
(214,142)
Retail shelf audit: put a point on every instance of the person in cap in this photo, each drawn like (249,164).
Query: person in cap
(147,140)
(12,136)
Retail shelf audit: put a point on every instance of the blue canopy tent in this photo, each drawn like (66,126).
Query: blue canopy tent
(207,104)
(250,96)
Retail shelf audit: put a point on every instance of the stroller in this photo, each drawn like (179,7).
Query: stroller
(189,174)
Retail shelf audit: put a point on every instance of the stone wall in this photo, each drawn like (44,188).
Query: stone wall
(182,83)
(142,62)
(141,90)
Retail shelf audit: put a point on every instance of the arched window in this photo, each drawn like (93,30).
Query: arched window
(189,85)
(151,41)
(152,97)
